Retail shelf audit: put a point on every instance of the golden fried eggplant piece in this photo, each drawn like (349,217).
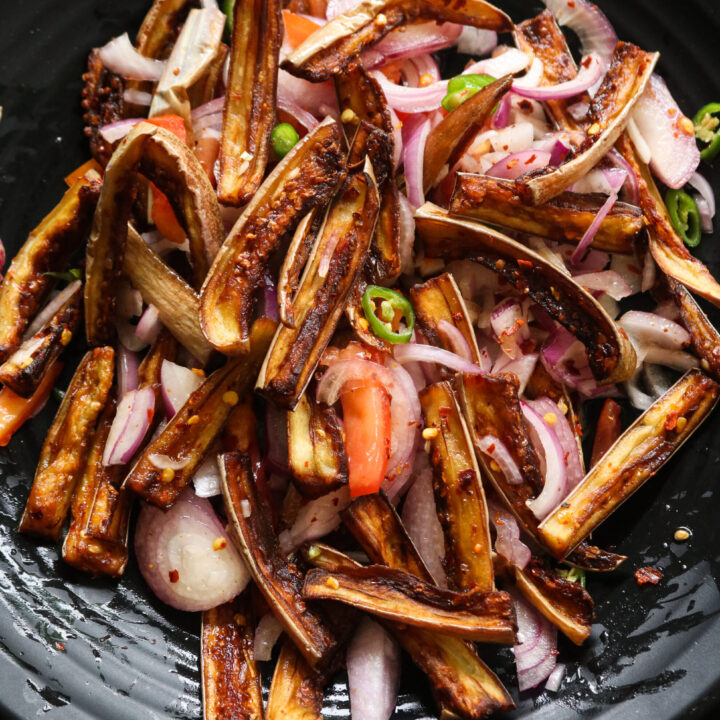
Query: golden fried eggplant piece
(248,115)
(24,370)
(459,494)
(451,137)
(338,44)
(279,580)
(196,425)
(161,27)
(624,83)
(636,456)
(338,255)
(611,356)
(565,218)
(231,686)
(49,247)
(160,156)
(304,179)
(63,454)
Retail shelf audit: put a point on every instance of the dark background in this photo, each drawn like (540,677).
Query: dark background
(75,648)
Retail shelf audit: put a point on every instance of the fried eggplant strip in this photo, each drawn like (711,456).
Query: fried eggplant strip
(176,302)
(107,555)
(248,115)
(400,597)
(231,687)
(461,683)
(636,456)
(459,494)
(303,180)
(338,44)
(296,692)
(279,581)
(611,356)
(196,425)
(66,446)
(336,259)
(542,37)
(316,448)
(439,299)
(624,83)
(452,136)
(565,604)
(161,26)
(24,370)
(566,217)
(49,247)
(666,246)
(166,160)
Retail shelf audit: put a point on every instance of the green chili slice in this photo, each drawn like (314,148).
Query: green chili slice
(389,314)
(573,575)
(685,216)
(462,87)
(707,130)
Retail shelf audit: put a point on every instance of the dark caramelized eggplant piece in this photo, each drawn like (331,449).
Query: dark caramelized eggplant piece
(459,494)
(49,247)
(461,683)
(303,180)
(169,162)
(338,44)
(565,604)
(196,425)
(161,26)
(451,137)
(296,692)
(667,248)
(636,456)
(66,446)
(231,686)
(611,356)
(439,299)
(279,581)
(400,597)
(176,302)
(249,111)
(316,448)
(338,255)
(24,370)
(566,217)
(594,559)
(83,549)
(624,83)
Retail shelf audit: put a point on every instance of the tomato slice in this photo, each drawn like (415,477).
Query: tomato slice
(366,417)
(608,430)
(172,123)
(298,27)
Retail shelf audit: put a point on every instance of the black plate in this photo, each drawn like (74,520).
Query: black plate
(75,648)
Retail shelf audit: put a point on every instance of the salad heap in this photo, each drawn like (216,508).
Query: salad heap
(342,316)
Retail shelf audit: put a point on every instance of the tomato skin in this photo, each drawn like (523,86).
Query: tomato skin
(172,123)
(366,417)
(608,430)
(298,27)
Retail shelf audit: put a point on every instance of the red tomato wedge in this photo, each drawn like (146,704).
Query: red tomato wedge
(608,430)
(298,27)
(366,416)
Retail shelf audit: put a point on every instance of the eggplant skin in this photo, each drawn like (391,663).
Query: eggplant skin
(161,27)
(49,247)
(636,456)
(230,676)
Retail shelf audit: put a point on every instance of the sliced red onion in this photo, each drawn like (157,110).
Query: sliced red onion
(536,647)
(668,309)
(578,111)
(631,188)
(134,96)
(49,311)
(502,114)
(558,421)
(269,299)
(508,543)
(476,41)
(276,438)
(675,359)
(129,301)
(552,460)
(132,419)
(178,384)
(406,233)
(565,359)
(312,97)
(514,138)
(558,153)
(522,366)
(510,327)
(657,379)
(606,281)
(177,557)
(460,346)
(589,23)
(669,134)
(506,61)
(649,273)
(425,67)
(630,269)
(556,677)
(638,399)
(373,667)
(420,518)
(532,78)
(591,71)
(517,164)
(496,450)
(615,178)
(304,118)
(594,227)
(415,137)
(653,329)
(707,212)
(416,39)
(397,138)
(112,132)
(119,56)
(414,352)
(209,108)
(206,479)
(268,630)
(149,325)
(316,519)
(127,370)
(406,416)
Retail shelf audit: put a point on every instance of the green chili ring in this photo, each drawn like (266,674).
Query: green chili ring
(707,130)
(462,87)
(685,216)
(391,301)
